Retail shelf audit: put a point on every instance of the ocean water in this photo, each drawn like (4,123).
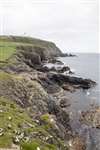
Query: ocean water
(85,66)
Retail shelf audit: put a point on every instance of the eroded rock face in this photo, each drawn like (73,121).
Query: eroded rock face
(23,90)
(28,93)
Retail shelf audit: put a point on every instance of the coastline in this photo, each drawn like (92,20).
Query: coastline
(41,92)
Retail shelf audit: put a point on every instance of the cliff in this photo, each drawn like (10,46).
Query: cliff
(33,112)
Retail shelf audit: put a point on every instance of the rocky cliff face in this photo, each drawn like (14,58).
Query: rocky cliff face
(32,114)
(28,114)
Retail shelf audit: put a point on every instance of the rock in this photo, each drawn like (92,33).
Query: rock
(63,103)
(9,126)
(55,61)
(77,143)
(91,117)
(31,58)
(65,79)
(1,131)
(24,80)
(71,72)
(16,140)
(57,69)
(49,85)
(67,55)
(68,87)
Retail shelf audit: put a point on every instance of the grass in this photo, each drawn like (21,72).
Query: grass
(37,144)
(8,45)
(18,117)
(6,50)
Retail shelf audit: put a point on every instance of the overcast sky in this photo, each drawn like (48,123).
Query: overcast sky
(71,24)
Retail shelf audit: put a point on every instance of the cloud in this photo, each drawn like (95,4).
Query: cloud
(72,24)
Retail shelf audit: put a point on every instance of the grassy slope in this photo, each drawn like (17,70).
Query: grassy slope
(8,45)
(19,117)
(6,50)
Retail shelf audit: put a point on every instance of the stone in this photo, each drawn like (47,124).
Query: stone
(9,126)
(16,140)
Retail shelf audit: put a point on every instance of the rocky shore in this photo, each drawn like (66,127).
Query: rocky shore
(33,101)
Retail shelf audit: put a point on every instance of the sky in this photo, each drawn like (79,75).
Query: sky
(71,24)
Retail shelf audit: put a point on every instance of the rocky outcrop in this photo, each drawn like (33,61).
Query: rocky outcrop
(64,79)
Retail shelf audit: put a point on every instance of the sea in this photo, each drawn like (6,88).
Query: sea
(85,65)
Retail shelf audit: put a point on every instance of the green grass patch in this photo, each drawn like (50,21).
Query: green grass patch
(17,115)
(33,145)
(5,141)
(30,146)
(6,50)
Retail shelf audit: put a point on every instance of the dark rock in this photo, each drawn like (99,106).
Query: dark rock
(63,69)
(70,72)
(61,115)
(55,61)
(67,55)
(64,103)
(63,79)
(58,69)
(48,85)
(31,58)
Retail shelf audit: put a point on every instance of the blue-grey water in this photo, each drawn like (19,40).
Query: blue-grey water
(85,66)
